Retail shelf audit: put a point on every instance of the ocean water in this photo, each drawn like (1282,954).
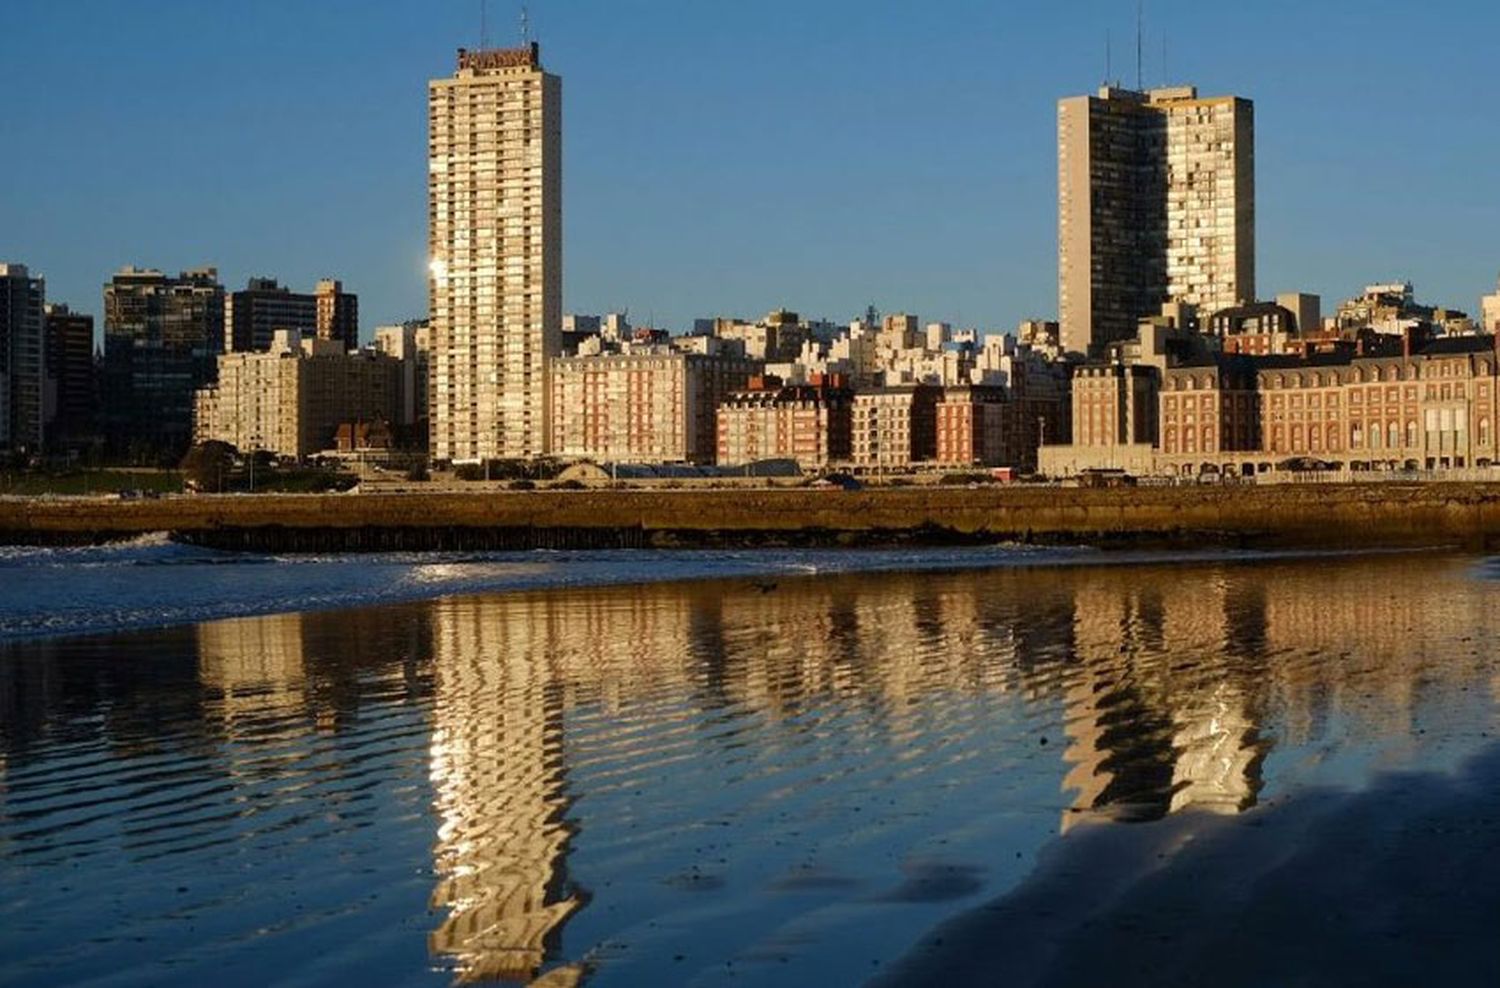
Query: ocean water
(740,768)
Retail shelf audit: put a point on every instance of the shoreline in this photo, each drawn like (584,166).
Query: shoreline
(1347,516)
(389,576)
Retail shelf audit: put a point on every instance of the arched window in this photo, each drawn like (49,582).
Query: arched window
(1356,436)
(1333,437)
(1297,437)
(1316,436)
(1317,380)
(1190,440)
(1374,435)
(1411,432)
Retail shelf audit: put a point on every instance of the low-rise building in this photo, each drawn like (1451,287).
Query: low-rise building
(292,399)
(650,404)
(809,423)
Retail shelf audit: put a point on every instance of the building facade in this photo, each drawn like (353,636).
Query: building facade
(809,423)
(894,428)
(292,399)
(1489,311)
(1428,409)
(70,377)
(22,359)
(648,406)
(337,313)
(162,340)
(1156,203)
(977,426)
(410,343)
(253,315)
(495,253)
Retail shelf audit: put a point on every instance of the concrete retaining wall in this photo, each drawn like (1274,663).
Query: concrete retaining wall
(1347,516)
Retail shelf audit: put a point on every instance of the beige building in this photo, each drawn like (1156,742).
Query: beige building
(292,399)
(807,423)
(894,428)
(1489,311)
(410,343)
(1156,203)
(495,253)
(337,313)
(646,406)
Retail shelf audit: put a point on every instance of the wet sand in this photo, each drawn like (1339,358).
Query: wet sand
(1397,884)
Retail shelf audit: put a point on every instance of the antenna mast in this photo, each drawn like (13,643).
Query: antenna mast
(1109,67)
(1140,82)
(484,25)
(525,26)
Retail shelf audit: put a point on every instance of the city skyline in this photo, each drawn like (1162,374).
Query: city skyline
(956,223)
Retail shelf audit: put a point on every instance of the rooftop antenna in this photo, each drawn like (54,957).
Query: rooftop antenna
(484,25)
(525,26)
(1109,62)
(1140,16)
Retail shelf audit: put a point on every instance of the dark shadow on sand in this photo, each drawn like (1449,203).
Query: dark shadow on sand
(1398,884)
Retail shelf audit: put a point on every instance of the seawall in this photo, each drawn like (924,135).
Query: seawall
(1314,515)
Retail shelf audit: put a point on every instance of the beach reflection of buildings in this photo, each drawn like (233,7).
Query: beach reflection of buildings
(1167,679)
(1177,673)
(496,765)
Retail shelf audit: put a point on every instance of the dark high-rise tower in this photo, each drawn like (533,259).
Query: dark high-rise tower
(1156,203)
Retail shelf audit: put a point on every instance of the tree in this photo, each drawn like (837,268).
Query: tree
(207,466)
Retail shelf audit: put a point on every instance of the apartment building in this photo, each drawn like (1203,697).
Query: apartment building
(1156,203)
(292,399)
(648,405)
(894,428)
(495,253)
(809,423)
(22,359)
(162,339)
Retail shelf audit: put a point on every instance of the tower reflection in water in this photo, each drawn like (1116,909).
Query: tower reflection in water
(1173,684)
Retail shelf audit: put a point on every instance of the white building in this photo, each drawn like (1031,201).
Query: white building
(495,253)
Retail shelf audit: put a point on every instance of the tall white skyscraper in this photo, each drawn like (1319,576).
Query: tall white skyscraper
(495,253)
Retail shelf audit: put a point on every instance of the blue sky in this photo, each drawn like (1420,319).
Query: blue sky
(730,157)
